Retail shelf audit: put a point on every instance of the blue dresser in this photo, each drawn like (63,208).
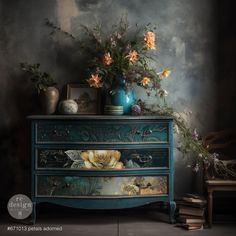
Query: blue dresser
(102,162)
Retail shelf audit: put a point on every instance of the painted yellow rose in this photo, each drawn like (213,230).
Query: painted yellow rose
(84,155)
(102,159)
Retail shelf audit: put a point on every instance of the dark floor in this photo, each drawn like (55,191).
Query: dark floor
(106,223)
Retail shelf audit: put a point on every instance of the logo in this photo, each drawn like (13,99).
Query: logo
(19,206)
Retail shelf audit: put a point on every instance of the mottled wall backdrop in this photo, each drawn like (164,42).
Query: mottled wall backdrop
(187,44)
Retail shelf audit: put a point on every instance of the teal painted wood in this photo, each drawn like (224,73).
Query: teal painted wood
(106,132)
(103,203)
(172,205)
(113,172)
(98,117)
(151,134)
(106,146)
(32,161)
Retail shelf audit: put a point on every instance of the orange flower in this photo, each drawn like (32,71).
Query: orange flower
(107,59)
(95,81)
(149,39)
(145,81)
(166,72)
(132,56)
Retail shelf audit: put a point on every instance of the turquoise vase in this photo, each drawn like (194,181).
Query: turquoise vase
(122,97)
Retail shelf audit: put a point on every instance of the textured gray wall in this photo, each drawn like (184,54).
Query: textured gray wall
(186,43)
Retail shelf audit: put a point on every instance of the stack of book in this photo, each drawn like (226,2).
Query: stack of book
(191,212)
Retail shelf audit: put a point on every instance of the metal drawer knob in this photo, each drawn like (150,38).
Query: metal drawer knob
(144,133)
(54,131)
(149,131)
(142,159)
(145,159)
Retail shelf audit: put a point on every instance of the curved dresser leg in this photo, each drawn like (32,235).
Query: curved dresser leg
(172,207)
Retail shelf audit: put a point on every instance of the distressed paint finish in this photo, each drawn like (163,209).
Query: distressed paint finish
(109,131)
(186,43)
(81,185)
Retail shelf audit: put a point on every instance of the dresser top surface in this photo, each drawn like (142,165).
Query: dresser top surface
(97,117)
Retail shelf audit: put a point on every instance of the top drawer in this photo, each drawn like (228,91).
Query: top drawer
(101,132)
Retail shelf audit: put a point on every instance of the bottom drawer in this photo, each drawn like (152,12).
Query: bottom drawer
(76,186)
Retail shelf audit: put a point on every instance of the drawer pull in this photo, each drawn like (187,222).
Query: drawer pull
(144,133)
(149,131)
(145,159)
(142,159)
(63,133)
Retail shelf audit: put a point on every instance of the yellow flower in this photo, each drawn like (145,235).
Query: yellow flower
(107,59)
(145,81)
(149,39)
(132,56)
(102,159)
(166,72)
(95,81)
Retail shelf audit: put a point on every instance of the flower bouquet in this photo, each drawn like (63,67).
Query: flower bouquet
(124,53)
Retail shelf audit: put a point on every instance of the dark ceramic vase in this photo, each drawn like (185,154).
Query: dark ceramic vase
(49,100)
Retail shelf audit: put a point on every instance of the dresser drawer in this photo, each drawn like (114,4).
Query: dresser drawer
(79,186)
(102,159)
(101,132)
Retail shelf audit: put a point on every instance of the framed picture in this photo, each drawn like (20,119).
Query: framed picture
(88,99)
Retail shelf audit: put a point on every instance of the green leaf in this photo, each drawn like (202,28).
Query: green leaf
(41,80)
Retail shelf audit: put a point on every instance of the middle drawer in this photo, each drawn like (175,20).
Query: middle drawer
(102,159)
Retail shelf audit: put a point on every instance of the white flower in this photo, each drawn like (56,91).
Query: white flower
(196,168)
(176,129)
(162,93)
(200,155)
(195,134)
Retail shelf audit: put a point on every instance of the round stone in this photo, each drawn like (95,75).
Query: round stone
(68,107)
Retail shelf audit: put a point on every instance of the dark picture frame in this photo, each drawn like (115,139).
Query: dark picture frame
(87,98)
